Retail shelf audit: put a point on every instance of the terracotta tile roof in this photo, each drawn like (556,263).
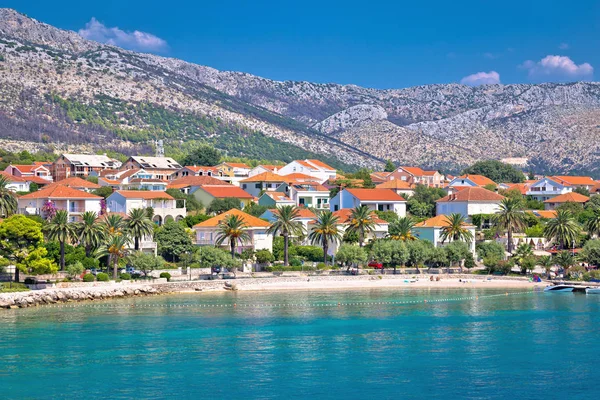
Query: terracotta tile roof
(145,194)
(575,180)
(57,191)
(251,221)
(521,187)
(548,214)
(375,194)
(237,165)
(12,178)
(479,180)
(304,212)
(29,169)
(321,164)
(278,196)
(109,181)
(345,213)
(416,171)
(307,165)
(37,179)
(429,173)
(225,191)
(187,181)
(472,194)
(264,177)
(77,182)
(394,184)
(572,197)
(596,188)
(437,222)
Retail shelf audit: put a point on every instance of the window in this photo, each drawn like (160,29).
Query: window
(388,206)
(380,207)
(258,186)
(243,186)
(335,208)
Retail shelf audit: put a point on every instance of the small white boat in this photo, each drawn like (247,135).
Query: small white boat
(595,290)
(559,288)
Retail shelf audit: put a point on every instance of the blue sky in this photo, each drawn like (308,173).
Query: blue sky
(381,44)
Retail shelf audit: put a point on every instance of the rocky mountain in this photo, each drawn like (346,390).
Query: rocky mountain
(56,87)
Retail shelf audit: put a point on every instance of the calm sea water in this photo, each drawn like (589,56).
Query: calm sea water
(531,345)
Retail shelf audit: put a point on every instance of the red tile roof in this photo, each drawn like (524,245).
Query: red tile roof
(472,194)
(237,165)
(575,180)
(12,178)
(416,171)
(571,197)
(479,180)
(225,191)
(250,220)
(77,182)
(28,168)
(437,222)
(264,177)
(321,164)
(37,179)
(57,191)
(187,181)
(375,194)
(304,212)
(145,194)
(395,184)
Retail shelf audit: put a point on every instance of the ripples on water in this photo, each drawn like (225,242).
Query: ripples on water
(520,346)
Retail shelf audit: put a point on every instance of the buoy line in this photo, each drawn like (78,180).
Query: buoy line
(283,305)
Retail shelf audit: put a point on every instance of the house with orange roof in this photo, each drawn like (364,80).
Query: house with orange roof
(15,183)
(207,193)
(275,199)
(469,201)
(82,165)
(76,182)
(193,170)
(417,176)
(37,170)
(576,182)
(547,188)
(265,182)
(596,189)
(571,197)
(402,188)
(59,197)
(375,199)
(314,168)
(259,169)
(470,180)
(206,233)
(133,179)
(164,206)
(432,230)
(518,187)
(307,194)
(380,177)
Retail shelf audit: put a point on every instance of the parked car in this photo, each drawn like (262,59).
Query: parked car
(375,264)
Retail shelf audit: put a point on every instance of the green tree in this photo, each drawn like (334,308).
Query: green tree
(89,232)
(389,166)
(350,255)
(456,229)
(510,217)
(74,270)
(362,222)
(202,155)
(264,256)
(402,229)
(469,261)
(138,225)
(593,224)
(496,171)
(172,241)
(582,191)
(219,206)
(145,262)
(419,251)
(232,229)
(490,249)
(547,263)
(563,228)
(60,229)
(209,257)
(20,237)
(566,260)
(286,224)
(104,191)
(113,224)
(422,203)
(382,251)
(8,201)
(456,252)
(400,254)
(591,252)
(255,209)
(116,250)
(326,229)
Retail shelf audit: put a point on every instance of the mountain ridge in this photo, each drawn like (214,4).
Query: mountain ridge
(445,125)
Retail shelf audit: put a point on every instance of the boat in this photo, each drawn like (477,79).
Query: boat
(595,290)
(562,288)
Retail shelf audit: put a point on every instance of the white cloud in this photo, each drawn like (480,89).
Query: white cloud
(558,68)
(491,56)
(136,40)
(563,46)
(481,78)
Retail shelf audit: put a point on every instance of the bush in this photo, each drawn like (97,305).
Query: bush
(504,267)
(89,278)
(102,277)
(264,256)
(125,276)
(321,265)
(165,275)
(281,268)
(75,269)
(295,262)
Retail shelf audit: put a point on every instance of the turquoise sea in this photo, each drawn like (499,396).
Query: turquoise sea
(379,344)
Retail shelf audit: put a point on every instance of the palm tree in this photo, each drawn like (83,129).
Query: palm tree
(138,225)
(89,232)
(60,229)
(510,217)
(593,224)
(326,229)
(565,260)
(113,224)
(562,228)
(232,228)
(115,249)
(547,263)
(402,229)
(362,222)
(455,229)
(286,223)
(8,201)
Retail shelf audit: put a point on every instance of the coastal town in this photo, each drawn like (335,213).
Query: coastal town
(90,217)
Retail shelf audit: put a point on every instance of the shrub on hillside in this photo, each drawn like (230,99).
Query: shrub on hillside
(89,278)
(102,277)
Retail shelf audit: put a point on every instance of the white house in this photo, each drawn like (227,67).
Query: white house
(470,180)
(547,188)
(258,184)
(165,207)
(469,201)
(259,169)
(581,182)
(275,199)
(59,197)
(314,168)
(308,194)
(571,197)
(133,179)
(375,199)
(35,170)
(207,232)
(432,229)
